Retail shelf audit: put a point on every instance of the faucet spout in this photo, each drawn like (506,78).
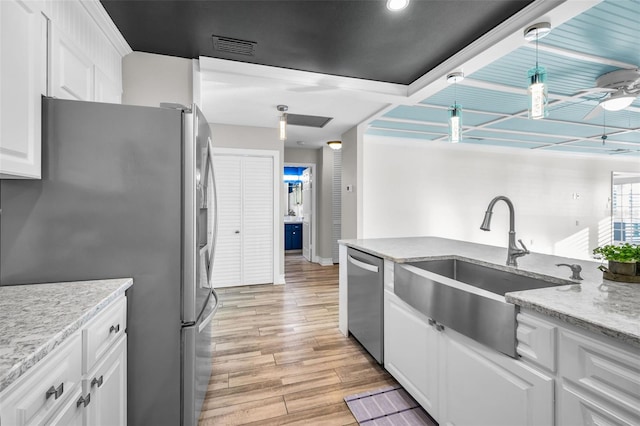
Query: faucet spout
(513,251)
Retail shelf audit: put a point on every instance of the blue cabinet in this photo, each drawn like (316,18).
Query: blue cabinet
(292,236)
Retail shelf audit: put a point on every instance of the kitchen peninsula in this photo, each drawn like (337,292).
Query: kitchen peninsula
(577,342)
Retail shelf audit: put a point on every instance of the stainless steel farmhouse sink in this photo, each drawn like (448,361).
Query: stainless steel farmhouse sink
(466,297)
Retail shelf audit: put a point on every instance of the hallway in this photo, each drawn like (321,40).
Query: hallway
(279,357)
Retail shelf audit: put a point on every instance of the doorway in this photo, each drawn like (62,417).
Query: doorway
(300,209)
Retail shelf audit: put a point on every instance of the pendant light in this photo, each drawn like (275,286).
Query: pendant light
(537,76)
(455,111)
(283,121)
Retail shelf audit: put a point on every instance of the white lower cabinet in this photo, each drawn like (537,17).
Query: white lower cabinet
(459,381)
(70,386)
(107,385)
(480,386)
(410,351)
(599,384)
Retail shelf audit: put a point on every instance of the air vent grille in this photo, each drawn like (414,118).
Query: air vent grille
(233,45)
(307,120)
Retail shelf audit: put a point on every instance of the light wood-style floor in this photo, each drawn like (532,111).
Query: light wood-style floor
(279,357)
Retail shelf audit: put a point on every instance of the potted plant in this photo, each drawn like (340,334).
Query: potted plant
(623,258)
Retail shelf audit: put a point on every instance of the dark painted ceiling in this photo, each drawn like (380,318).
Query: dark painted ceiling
(358,38)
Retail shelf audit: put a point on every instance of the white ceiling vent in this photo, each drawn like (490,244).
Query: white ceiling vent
(307,120)
(234,45)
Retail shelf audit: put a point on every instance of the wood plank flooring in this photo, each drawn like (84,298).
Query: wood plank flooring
(279,357)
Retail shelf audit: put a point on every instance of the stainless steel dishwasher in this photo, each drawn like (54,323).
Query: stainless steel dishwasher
(365,288)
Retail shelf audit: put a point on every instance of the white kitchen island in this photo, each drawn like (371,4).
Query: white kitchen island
(578,343)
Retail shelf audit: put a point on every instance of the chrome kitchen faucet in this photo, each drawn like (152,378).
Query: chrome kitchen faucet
(513,251)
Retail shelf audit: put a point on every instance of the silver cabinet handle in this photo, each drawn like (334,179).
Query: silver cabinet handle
(360,264)
(57,392)
(97,381)
(114,328)
(84,401)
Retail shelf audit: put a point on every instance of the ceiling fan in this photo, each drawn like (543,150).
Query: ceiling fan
(621,87)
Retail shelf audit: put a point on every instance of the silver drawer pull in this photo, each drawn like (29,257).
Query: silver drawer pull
(97,381)
(114,328)
(362,265)
(84,401)
(57,392)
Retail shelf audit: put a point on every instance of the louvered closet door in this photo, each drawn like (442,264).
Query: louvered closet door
(227,264)
(244,250)
(257,220)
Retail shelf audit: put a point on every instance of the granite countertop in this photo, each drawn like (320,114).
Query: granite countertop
(37,318)
(601,306)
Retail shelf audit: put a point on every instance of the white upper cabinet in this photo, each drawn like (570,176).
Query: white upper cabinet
(22,82)
(69,49)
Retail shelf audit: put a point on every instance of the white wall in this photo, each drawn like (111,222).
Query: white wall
(352,166)
(149,79)
(414,188)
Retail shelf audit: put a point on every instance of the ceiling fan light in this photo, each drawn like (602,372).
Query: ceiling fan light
(618,101)
(335,144)
(396,5)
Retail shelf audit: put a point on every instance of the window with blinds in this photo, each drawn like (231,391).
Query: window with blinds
(626,212)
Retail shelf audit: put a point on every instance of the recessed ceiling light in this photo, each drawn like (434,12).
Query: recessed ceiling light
(396,5)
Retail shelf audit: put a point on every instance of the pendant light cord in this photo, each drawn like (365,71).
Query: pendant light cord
(536,48)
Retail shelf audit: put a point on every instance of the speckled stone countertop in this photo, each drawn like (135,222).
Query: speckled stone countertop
(36,318)
(601,306)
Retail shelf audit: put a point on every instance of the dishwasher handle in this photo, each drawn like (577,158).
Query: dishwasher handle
(362,265)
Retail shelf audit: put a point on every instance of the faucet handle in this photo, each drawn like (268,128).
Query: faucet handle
(526,251)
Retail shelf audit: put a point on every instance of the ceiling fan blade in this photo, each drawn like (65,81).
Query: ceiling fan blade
(594,112)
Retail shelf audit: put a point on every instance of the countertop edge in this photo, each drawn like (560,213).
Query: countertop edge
(586,324)
(20,368)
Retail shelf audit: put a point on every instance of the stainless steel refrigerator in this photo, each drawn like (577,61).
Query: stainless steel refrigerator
(127,191)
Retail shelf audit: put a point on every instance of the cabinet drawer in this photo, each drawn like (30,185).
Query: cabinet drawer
(32,399)
(605,372)
(536,341)
(102,332)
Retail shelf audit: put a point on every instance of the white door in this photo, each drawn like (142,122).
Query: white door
(244,249)
(307,215)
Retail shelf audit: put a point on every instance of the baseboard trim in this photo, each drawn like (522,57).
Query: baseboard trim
(325,261)
(280,280)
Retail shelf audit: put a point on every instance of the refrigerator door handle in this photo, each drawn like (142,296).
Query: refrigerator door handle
(207,321)
(209,169)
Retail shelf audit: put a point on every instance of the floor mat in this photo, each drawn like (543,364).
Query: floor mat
(389,406)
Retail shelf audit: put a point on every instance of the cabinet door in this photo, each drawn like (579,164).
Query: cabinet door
(410,351)
(599,383)
(296,237)
(22,77)
(288,232)
(108,388)
(480,386)
(71,70)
